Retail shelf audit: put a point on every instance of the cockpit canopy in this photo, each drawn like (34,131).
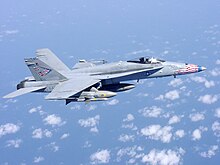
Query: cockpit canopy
(147,60)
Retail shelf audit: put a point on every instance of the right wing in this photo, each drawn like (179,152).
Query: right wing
(23,91)
(71,87)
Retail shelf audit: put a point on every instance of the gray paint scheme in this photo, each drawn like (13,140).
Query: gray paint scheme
(88,81)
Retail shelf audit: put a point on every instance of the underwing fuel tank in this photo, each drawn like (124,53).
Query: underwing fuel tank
(120,87)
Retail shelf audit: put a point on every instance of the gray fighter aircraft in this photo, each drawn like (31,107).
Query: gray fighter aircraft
(92,81)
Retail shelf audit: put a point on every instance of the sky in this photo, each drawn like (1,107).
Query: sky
(163,121)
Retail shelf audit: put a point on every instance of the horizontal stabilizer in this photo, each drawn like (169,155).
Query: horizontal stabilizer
(23,91)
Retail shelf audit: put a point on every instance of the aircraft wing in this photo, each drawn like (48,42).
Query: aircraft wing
(68,88)
(23,91)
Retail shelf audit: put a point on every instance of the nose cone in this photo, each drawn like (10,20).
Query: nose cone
(201,68)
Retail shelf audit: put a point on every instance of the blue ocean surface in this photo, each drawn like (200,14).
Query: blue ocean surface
(163,121)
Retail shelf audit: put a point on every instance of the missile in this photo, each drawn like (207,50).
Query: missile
(92,95)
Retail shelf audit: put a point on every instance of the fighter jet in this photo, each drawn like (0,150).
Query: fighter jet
(92,80)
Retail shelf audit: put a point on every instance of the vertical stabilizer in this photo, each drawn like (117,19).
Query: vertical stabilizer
(49,58)
(43,72)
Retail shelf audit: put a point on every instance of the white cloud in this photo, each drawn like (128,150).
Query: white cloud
(208,99)
(211,152)
(208,84)
(172,95)
(179,133)
(174,119)
(131,153)
(8,128)
(8,32)
(75,107)
(35,109)
(129,126)
(90,122)
(160,97)
(64,136)
(156,132)
(94,129)
(176,82)
(100,157)
(218,62)
(163,157)
(39,133)
(53,146)
(91,107)
(197,133)
(126,138)
(53,120)
(196,117)
(216,128)
(217,113)
(153,111)
(113,102)
(129,117)
(215,72)
(38,159)
(14,143)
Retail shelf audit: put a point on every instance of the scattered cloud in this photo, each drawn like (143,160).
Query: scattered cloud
(163,157)
(129,126)
(156,132)
(126,138)
(197,133)
(53,120)
(218,62)
(180,133)
(217,113)
(215,72)
(53,146)
(75,107)
(14,143)
(172,95)
(90,122)
(216,128)
(174,119)
(39,133)
(38,159)
(91,107)
(9,32)
(87,144)
(129,117)
(153,111)
(196,117)
(100,157)
(176,82)
(64,136)
(35,109)
(8,128)
(210,153)
(112,102)
(134,152)
(208,99)
(208,84)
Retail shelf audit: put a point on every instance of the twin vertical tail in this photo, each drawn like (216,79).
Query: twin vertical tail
(46,66)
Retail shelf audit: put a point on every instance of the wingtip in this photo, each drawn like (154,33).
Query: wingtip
(6,97)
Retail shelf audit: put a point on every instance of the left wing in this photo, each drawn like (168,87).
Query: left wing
(68,88)
(23,91)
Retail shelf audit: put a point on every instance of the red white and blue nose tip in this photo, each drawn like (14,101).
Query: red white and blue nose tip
(201,68)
